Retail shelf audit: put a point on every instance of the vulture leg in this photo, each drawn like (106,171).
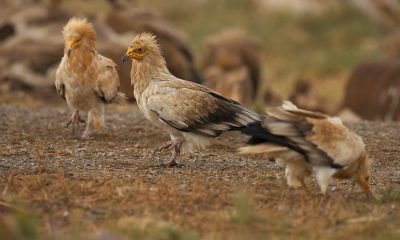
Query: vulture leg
(74,121)
(177,145)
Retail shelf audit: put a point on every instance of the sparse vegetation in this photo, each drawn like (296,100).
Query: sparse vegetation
(243,212)
(68,189)
(54,186)
(391,195)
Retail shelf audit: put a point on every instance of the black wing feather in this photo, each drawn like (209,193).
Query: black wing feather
(228,116)
(259,134)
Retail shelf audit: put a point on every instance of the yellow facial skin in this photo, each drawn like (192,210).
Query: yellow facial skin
(362,175)
(363,180)
(72,44)
(136,52)
(364,183)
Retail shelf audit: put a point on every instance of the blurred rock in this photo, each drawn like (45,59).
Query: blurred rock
(231,65)
(6,31)
(32,49)
(304,96)
(391,45)
(271,99)
(23,15)
(38,48)
(316,7)
(373,90)
(382,11)
(234,84)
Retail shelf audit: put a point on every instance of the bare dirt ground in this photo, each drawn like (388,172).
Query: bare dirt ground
(111,187)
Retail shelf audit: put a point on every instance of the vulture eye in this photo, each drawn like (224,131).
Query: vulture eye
(139,50)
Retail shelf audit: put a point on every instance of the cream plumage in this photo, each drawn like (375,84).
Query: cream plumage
(86,79)
(189,112)
(306,141)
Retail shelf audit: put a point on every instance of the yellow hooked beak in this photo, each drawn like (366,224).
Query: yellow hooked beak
(72,44)
(136,53)
(125,57)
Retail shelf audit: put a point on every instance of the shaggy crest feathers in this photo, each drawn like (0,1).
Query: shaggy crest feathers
(148,41)
(153,54)
(145,37)
(81,27)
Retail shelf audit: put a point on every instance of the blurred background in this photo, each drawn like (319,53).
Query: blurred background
(339,57)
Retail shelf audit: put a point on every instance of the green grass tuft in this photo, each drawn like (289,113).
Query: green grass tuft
(243,212)
(391,195)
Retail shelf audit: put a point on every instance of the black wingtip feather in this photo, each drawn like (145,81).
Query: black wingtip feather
(260,135)
(224,99)
(256,131)
(227,116)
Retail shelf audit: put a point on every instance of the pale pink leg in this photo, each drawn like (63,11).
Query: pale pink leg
(74,120)
(86,133)
(176,144)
